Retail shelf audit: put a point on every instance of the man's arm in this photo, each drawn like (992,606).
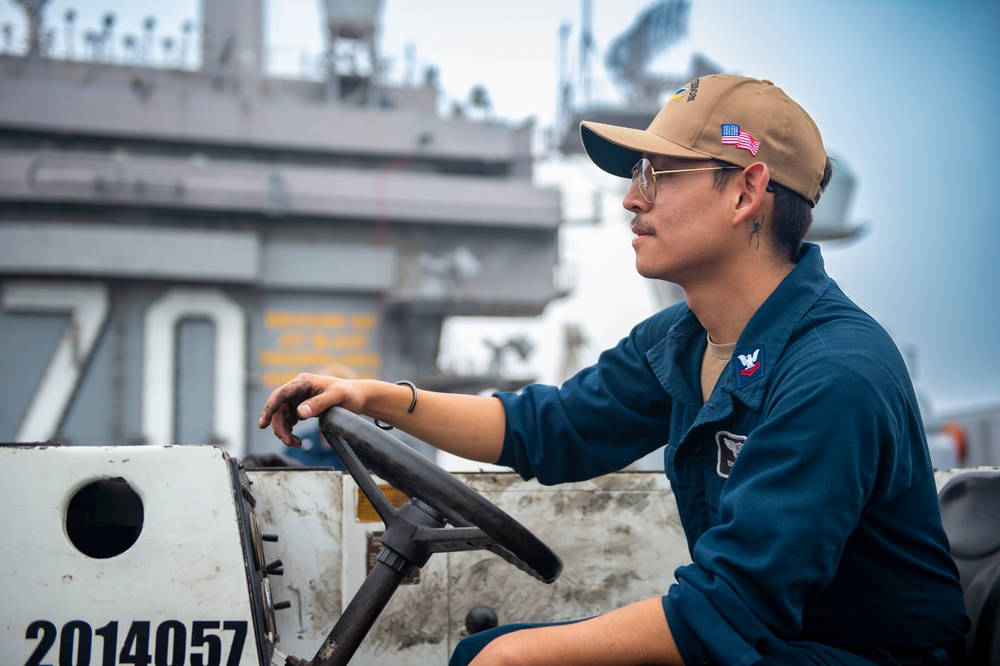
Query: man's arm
(469,426)
(632,635)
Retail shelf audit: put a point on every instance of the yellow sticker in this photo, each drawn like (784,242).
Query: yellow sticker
(366,512)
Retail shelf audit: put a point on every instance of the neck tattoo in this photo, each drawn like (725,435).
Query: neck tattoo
(758,224)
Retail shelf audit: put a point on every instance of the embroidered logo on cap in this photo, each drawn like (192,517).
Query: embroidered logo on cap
(694,90)
(680,93)
(751,366)
(732,135)
(729,448)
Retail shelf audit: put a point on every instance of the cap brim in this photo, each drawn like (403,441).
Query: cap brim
(617,149)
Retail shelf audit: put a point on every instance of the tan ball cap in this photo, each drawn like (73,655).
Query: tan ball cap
(731,118)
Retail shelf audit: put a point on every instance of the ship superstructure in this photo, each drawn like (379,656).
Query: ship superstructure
(174,243)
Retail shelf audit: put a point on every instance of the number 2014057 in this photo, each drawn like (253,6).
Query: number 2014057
(168,645)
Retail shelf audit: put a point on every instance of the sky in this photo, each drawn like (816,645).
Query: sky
(904,92)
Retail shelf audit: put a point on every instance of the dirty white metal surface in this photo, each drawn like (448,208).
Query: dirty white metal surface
(171,593)
(619,537)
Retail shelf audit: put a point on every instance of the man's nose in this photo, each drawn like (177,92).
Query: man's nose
(633,200)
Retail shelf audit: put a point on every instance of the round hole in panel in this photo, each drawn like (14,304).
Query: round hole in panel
(104,518)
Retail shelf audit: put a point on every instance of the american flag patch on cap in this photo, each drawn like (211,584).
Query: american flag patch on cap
(732,135)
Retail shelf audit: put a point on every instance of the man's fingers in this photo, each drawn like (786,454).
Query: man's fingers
(292,392)
(274,402)
(302,398)
(282,423)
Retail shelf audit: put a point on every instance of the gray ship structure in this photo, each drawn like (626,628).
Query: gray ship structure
(177,242)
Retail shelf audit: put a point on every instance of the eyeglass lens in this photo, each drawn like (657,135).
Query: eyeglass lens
(642,174)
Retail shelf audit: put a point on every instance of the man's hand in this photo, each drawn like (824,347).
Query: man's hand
(304,397)
(634,634)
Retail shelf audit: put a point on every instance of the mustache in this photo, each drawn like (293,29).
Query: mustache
(639,226)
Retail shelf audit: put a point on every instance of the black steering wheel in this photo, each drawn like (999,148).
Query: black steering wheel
(417,529)
(418,477)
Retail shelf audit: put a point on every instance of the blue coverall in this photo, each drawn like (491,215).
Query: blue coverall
(804,483)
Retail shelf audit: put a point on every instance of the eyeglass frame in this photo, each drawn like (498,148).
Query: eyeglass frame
(636,172)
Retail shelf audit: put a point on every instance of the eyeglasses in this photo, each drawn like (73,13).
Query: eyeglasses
(643,174)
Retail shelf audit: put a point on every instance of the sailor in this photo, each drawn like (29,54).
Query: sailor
(794,444)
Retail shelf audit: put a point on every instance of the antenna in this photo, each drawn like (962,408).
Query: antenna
(69,18)
(586,46)
(149,27)
(656,28)
(129,42)
(186,29)
(8,34)
(563,100)
(33,8)
(107,38)
(168,49)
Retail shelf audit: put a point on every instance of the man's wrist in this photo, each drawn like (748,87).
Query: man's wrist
(409,410)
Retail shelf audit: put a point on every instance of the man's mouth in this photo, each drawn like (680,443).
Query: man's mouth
(639,228)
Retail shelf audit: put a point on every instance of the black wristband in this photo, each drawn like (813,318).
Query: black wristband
(413,403)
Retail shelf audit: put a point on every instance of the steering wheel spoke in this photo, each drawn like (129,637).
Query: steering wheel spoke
(453,539)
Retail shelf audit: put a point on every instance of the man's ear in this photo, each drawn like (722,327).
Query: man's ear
(753,183)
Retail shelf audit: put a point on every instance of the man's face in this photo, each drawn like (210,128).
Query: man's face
(680,236)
